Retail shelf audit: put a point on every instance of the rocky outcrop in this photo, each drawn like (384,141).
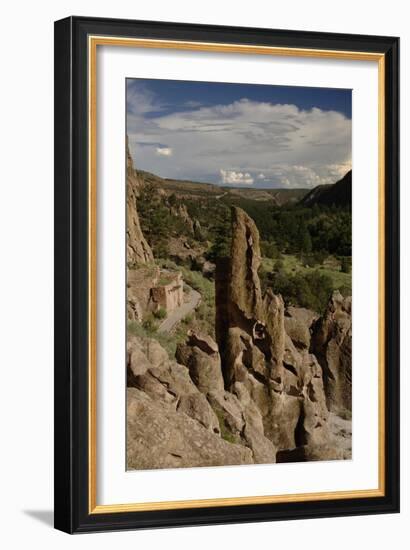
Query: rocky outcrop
(260,394)
(282,378)
(240,421)
(138,250)
(200,355)
(159,436)
(140,282)
(298,325)
(181,211)
(170,421)
(150,370)
(332,345)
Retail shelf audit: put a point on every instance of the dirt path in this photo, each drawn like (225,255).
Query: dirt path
(179,313)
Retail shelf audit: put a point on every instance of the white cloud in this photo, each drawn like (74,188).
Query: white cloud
(286,145)
(164,151)
(140,99)
(232,177)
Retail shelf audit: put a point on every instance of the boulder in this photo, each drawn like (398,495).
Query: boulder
(163,380)
(137,362)
(200,355)
(197,407)
(158,436)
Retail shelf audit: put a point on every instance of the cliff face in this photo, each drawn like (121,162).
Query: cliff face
(138,250)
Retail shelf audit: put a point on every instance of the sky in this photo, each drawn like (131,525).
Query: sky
(239,134)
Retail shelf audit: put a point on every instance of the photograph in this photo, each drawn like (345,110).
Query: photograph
(239,274)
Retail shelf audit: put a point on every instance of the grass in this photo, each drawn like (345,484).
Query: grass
(160,313)
(226,434)
(293,265)
(168,341)
(164,280)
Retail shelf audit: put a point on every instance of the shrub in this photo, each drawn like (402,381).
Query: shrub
(346,265)
(269,250)
(149,324)
(168,341)
(311,290)
(160,313)
(279,265)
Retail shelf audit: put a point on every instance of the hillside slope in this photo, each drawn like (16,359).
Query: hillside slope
(193,189)
(338,194)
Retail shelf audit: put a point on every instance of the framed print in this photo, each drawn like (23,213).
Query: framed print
(226,274)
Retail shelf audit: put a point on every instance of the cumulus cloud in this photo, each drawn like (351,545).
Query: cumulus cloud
(257,143)
(164,151)
(232,177)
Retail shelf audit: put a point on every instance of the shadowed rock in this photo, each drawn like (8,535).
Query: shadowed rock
(138,250)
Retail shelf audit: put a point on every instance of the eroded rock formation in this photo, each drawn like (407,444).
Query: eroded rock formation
(138,250)
(170,423)
(332,345)
(158,436)
(282,378)
(260,394)
(240,420)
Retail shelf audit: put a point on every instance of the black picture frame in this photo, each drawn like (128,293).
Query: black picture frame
(71,490)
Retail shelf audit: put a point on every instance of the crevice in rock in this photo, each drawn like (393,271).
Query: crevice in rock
(290,368)
(300,432)
(311,392)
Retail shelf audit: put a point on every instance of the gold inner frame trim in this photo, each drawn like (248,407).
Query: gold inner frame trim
(93,42)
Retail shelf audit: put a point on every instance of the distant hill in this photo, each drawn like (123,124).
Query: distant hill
(338,194)
(191,189)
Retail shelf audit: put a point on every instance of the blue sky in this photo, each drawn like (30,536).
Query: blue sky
(239,134)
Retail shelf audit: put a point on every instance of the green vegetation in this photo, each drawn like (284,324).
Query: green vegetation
(160,314)
(302,285)
(292,264)
(226,434)
(298,229)
(157,220)
(168,341)
(345,414)
(306,249)
(269,250)
(346,265)
(220,232)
